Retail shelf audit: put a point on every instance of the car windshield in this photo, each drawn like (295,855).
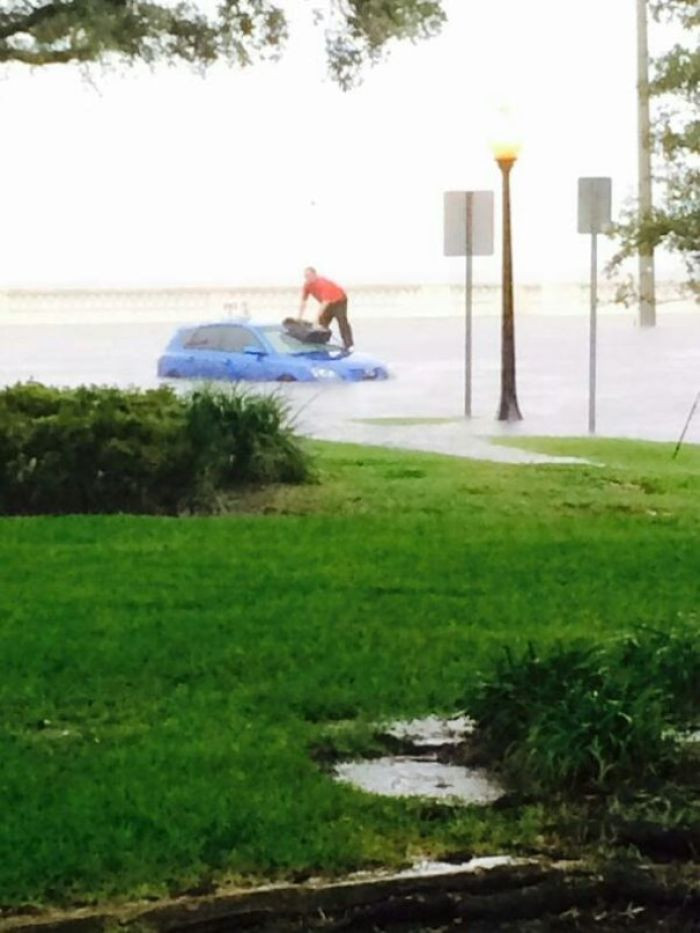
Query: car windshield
(282,342)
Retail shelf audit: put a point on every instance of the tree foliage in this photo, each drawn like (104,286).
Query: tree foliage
(41,32)
(675,87)
(358,31)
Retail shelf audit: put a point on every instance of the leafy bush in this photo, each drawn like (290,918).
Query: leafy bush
(263,449)
(100,449)
(589,716)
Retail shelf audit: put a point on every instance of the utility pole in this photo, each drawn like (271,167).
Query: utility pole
(647,296)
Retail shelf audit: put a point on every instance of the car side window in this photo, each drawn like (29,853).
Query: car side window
(204,338)
(224,338)
(238,339)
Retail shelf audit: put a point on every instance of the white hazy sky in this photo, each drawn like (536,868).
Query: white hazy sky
(169,178)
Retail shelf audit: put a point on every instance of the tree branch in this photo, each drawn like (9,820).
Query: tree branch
(45,56)
(17,23)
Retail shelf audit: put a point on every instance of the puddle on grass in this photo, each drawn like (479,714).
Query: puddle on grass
(403,776)
(432,732)
(419,770)
(689,737)
(428,868)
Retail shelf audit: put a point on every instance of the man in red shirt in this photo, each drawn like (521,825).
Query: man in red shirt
(333,301)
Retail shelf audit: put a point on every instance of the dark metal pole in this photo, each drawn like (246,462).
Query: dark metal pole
(690,418)
(468,308)
(508,409)
(593,334)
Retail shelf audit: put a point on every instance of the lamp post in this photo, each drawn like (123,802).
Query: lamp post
(505,154)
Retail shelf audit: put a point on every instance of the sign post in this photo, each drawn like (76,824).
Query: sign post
(468,232)
(594,209)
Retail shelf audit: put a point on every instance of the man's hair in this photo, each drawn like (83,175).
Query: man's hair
(311,269)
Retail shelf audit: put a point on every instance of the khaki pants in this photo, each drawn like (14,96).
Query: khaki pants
(339,311)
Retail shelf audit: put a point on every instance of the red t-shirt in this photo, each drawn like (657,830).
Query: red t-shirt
(323,290)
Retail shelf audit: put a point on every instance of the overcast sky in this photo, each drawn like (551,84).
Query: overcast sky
(169,178)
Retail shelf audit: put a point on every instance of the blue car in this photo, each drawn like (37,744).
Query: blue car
(241,350)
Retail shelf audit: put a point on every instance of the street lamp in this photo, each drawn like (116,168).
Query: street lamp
(505,152)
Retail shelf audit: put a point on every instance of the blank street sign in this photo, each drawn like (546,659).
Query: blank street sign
(594,204)
(456,223)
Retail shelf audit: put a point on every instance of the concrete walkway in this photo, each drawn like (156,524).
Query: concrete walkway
(455,438)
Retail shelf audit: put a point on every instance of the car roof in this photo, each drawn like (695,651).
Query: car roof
(237,322)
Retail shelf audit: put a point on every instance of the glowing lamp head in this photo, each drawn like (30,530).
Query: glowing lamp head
(505,135)
(506,150)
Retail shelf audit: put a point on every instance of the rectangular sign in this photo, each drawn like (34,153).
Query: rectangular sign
(463,238)
(594,204)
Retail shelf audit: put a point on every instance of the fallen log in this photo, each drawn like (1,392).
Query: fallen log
(682,842)
(551,898)
(504,893)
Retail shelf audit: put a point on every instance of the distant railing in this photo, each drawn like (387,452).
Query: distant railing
(201,303)
(274,302)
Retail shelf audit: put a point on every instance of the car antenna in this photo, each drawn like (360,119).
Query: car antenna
(237,310)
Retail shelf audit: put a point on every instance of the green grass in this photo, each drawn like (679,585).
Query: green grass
(164,680)
(615,452)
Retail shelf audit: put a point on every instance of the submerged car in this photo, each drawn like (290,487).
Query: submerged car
(241,350)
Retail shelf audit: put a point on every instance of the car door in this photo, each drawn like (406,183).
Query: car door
(202,353)
(243,353)
(217,351)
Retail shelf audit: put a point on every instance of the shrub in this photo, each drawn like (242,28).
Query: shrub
(100,449)
(589,716)
(239,438)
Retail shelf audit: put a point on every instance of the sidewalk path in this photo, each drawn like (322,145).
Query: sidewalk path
(455,438)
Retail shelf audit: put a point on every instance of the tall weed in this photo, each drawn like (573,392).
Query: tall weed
(581,716)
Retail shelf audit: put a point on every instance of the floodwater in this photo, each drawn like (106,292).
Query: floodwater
(432,732)
(647,379)
(420,773)
(408,776)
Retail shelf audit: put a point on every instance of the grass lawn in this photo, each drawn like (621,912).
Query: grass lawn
(163,680)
